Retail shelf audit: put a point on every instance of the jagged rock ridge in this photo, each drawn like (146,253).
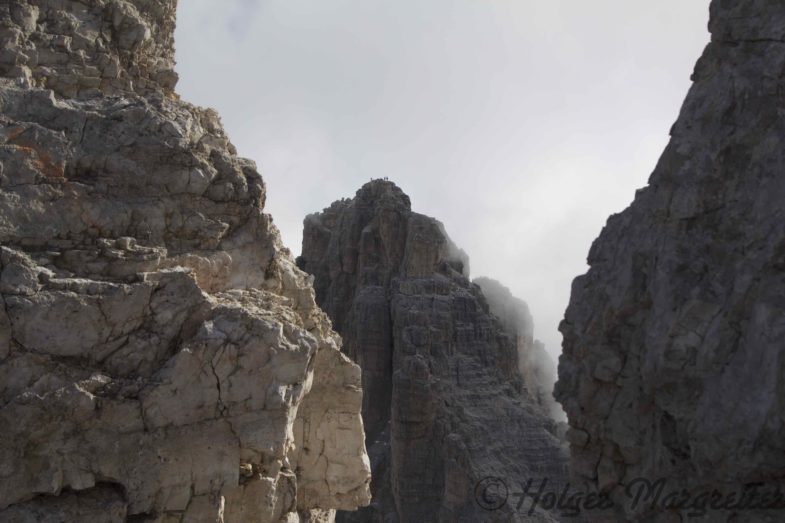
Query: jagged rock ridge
(674,341)
(161,357)
(444,403)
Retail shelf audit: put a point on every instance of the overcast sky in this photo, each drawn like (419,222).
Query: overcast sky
(520,124)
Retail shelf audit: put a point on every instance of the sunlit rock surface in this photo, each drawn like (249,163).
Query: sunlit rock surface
(674,341)
(161,357)
(445,404)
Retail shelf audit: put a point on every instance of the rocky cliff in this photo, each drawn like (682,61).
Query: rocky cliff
(445,405)
(161,357)
(674,341)
(534,363)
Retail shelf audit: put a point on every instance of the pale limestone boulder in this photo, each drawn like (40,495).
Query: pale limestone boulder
(161,357)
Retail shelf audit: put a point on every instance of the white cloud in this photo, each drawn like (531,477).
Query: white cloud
(522,125)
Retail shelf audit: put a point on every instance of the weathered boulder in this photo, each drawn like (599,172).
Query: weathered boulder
(161,357)
(674,341)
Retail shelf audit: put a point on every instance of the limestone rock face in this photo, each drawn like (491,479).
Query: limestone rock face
(534,363)
(444,403)
(161,357)
(674,341)
(87,48)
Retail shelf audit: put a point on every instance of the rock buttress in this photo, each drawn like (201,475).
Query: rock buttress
(161,357)
(444,403)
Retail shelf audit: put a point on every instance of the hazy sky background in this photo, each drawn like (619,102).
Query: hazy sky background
(520,124)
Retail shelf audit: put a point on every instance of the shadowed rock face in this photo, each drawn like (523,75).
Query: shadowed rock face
(674,341)
(444,404)
(161,357)
(534,363)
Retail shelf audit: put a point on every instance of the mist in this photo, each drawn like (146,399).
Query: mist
(520,125)
(535,364)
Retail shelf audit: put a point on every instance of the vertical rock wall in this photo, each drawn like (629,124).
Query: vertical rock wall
(161,357)
(674,341)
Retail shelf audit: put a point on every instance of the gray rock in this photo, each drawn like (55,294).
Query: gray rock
(534,363)
(161,357)
(445,405)
(674,341)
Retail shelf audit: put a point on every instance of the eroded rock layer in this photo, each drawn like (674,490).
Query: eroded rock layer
(444,403)
(161,357)
(674,341)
